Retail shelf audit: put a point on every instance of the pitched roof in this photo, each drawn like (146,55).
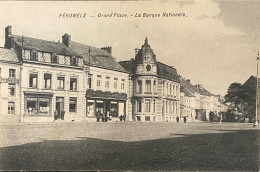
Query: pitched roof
(204,92)
(186,86)
(167,72)
(45,46)
(98,57)
(129,66)
(8,55)
(186,92)
(250,82)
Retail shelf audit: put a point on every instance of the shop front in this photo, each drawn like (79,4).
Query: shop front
(105,106)
(37,107)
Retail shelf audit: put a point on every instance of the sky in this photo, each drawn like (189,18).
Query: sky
(213,43)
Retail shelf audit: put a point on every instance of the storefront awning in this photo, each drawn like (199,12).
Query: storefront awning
(42,94)
(105,95)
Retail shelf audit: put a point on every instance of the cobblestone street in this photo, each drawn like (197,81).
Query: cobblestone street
(129,146)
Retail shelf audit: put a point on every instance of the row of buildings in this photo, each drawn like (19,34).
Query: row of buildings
(41,79)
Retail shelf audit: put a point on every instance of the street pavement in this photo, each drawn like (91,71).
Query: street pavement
(132,146)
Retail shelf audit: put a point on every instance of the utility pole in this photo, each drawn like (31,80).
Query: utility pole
(256,109)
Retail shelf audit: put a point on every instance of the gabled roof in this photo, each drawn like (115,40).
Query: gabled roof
(98,57)
(45,46)
(167,72)
(186,92)
(204,92)
(8,55)
(186,86)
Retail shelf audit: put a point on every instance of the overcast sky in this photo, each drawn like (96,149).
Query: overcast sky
(215,44)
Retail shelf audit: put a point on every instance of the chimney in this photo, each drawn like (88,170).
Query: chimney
(8,33)
(136,51)
(108,49)
(200,86)
(66,39)
(188,80)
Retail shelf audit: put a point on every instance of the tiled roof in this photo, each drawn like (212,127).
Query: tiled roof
(186,86)
(46,46)
(98,57)
(167,72)
(8,55)
(204,92)
(186,92)
(129,66)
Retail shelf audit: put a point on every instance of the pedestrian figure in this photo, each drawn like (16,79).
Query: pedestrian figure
(177,119)
(184,119)
(121,118)
(124,117)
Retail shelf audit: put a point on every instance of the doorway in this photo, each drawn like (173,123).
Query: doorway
(59,106)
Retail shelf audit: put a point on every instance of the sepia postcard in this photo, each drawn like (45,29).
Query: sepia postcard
(129,85)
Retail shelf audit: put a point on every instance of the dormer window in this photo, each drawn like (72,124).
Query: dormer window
(74,61)
(34,55)
(54,58)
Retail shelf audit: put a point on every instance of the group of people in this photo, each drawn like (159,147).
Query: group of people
(105,117)
(184,119)
(122,118)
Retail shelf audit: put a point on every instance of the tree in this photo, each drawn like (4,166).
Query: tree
(241,101)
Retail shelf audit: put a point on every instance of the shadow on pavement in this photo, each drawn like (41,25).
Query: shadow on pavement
(221,151)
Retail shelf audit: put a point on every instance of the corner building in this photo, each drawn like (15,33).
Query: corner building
(155,87)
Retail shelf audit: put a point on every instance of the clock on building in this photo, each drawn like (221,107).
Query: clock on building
(148,67)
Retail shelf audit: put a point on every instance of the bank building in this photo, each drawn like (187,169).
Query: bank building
(155,87)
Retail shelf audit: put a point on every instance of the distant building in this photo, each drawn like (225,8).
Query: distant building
(10,85)
(154,86)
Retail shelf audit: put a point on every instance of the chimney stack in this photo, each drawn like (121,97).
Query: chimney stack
(136,51)
(66,39)
(8,34)
(108,49)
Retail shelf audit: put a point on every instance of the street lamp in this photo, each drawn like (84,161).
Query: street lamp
(256,109)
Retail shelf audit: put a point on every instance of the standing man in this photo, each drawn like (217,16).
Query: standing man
(177,119)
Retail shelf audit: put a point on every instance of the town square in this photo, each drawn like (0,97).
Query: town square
(129,86)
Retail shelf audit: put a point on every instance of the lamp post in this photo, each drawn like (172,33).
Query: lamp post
(256,109)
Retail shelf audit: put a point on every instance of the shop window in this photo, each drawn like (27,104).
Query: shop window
(107,82)
(33,80)
(115,83)
(47,81)
(138,106)
(114,109)
(138,118)
(73,84)
(44,106)
(123,84)
(147,105)
(99,77)
(60,82)
(38,106)
(73,104)
(89,81)
(148,86)
(147,118)
(90,108)
(11,108)
(12,73)
(139,83)
(11,89)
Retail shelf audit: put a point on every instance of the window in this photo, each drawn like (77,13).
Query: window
(54,58)
(170,89)
(11,89)
(154,86)
(99,77)
(166,89)
(38,105)
(138,106)
(115,83)
(148,86)
(44,106)
(60,82)
(34,55)
(73,104)
(138,118)
(73,84)
(147,105)
(139,83)
(47,81)
(154,106)
(107,82)
(74,61)
(33,80)
(11,73)
(166,104)
(123,84)
(147,118)
(11,106)
(89,81)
